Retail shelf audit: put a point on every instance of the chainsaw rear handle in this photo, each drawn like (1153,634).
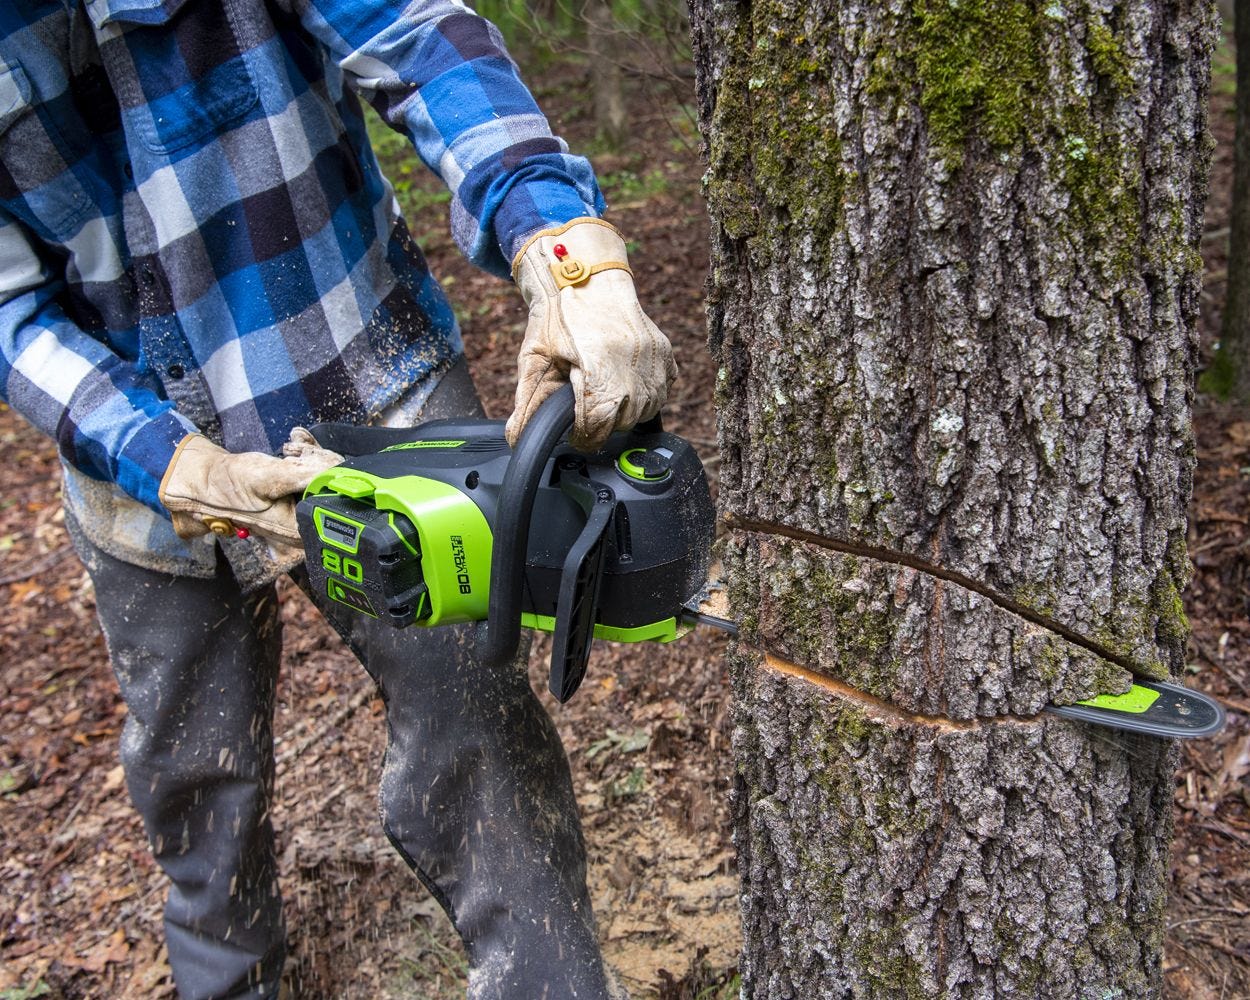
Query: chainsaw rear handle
(551,422)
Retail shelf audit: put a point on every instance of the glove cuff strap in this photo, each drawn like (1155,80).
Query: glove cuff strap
(570,272)
(560,231)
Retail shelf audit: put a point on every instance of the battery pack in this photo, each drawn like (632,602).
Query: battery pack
(362,558)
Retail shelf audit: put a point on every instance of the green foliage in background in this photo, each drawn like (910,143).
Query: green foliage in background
(1225,378)
(36,989)
(556,26)
(1220,379)
(728,991)
(1224,65)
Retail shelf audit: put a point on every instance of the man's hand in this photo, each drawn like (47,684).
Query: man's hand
(586,327)
(207,488)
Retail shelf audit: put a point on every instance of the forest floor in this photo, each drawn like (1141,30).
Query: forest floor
(80,898)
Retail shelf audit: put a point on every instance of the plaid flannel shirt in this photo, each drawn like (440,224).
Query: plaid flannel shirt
(195,234)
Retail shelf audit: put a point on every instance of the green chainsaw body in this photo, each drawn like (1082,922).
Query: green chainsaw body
(405,530)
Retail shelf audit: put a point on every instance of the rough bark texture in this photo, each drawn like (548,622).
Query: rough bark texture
(896,632)
(953,300)
(883,856)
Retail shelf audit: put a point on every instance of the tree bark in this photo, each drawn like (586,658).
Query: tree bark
(953,299)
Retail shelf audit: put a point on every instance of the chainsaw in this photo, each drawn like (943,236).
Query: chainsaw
(445,523)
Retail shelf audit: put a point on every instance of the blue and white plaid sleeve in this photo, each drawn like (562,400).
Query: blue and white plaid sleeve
(440,74)
(107,419)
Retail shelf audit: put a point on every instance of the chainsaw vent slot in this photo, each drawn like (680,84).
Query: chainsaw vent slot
(482,445)
(577,610)
(623,539)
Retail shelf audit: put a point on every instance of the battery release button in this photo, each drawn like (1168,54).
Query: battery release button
(355,487)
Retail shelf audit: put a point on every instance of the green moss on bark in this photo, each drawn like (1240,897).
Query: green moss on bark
(987,73)
(774,136)
(979,65)
(1105,206)
(820,598)
(868,811)
(1172,626)
(1108,57)
(986,67)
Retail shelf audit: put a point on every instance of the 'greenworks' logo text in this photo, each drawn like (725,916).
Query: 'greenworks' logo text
(406,445)
(462,564)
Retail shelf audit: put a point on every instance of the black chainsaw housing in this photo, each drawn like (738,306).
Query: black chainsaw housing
(618,544)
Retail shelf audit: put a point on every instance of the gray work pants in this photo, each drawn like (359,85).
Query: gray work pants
(475,792)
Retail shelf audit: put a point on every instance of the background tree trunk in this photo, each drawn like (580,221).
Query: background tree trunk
(604,43)
(1229,374)
(954,288)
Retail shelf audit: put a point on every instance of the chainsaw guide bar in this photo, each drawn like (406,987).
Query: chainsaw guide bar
(1151,708)
(1155,708)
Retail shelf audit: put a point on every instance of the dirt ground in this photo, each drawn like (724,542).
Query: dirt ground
(80,898)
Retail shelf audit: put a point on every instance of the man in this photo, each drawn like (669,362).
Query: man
(198,255)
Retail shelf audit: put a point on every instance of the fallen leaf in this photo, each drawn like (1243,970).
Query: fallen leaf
(23,590)
(1239,432)
(1236,763)
(115,949)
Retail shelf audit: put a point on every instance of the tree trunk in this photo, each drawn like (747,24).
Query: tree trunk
(1229,374)
(953,297)
(603,41)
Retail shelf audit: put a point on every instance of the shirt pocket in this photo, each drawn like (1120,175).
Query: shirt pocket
(38,184)
(184,76)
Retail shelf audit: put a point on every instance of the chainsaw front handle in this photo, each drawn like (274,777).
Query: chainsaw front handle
(549,424)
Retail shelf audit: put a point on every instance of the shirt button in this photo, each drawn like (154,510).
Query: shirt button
(175,371)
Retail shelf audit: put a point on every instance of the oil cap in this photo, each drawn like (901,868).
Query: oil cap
(647,465)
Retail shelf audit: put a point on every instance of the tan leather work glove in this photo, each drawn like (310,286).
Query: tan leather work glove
(587,327)
(207,488)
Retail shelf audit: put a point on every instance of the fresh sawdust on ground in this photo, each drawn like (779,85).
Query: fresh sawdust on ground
(647,737)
